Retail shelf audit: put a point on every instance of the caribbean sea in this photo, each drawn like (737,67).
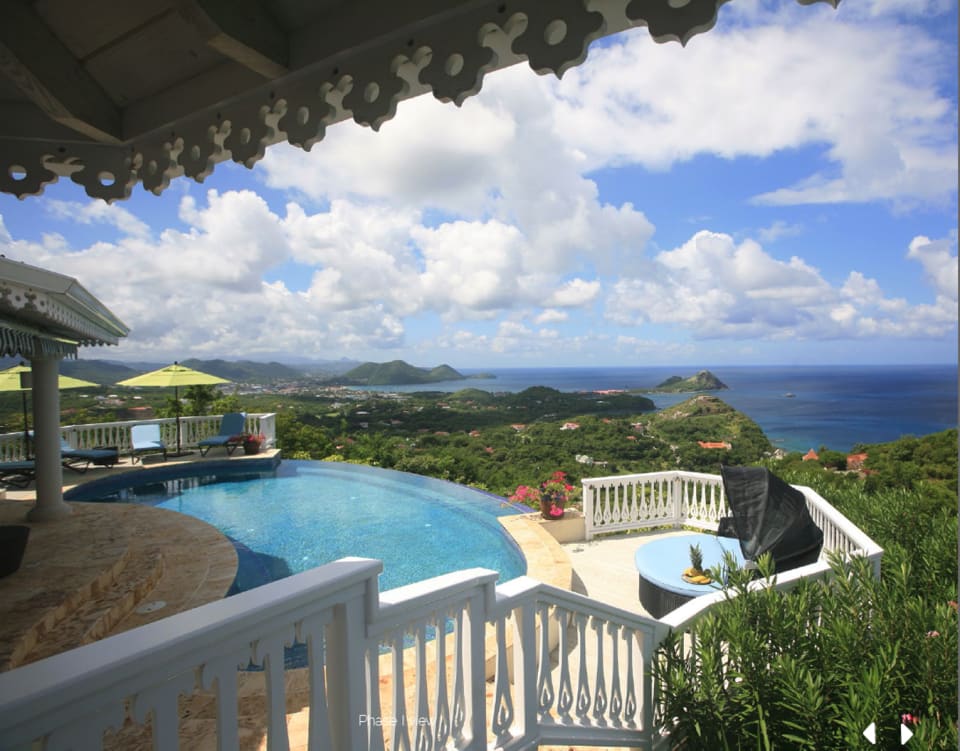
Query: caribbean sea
(834,406)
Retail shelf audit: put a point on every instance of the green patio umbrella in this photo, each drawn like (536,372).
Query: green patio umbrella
(175,375)
(18,378)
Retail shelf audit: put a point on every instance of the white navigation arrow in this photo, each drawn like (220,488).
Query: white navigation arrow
(871,733)
(905,734)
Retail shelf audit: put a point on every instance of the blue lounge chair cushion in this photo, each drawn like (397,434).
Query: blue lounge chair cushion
(146,439)
(79,460)
(18,474)
(230,436)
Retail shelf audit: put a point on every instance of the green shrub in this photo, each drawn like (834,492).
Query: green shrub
(810,669)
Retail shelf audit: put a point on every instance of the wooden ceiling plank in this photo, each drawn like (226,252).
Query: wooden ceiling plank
(41,66)
(242,31)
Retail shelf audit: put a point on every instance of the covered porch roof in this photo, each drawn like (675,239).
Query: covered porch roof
(43,313)
(111,93)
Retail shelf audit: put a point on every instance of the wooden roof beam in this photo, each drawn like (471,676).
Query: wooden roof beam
(241,30)
(34,59)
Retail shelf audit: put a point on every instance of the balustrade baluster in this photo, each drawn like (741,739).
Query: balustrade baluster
(616,694)
(268,652)
(401,738)
(459,716)
(565,689)
(374,709)
(503,714)
(423,735)
(441,700)
(600,687)
(220,675)
(545,692)
(646,682)
(630,701)
(475,676)
(311,631)
(162,702)
(583,679)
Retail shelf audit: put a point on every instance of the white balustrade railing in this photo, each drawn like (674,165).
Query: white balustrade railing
(368,688)
(655,499)
(193,429)
(694,499)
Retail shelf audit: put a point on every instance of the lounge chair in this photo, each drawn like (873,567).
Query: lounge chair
(18,474)
(79,460)
(230,435)
(145,439)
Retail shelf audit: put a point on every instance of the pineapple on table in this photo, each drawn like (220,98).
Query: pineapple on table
(695,573)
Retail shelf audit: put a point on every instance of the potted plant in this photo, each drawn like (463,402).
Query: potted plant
(551,496)
(252,442)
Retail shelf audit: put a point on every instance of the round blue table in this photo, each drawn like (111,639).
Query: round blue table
(661,564)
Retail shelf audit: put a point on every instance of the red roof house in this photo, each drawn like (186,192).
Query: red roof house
(714,445)
(855,461)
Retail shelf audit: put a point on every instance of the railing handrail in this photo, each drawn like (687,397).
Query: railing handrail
(683,618)
(863,542)
(860,541)
(667,474)
(117,432)
(515,591)
(74,684)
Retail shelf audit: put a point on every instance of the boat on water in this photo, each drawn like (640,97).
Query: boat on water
(790,395)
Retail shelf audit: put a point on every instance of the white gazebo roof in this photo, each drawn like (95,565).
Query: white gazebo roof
(116,92)
(43,313)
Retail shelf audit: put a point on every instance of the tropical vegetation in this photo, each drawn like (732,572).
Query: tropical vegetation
(814,667)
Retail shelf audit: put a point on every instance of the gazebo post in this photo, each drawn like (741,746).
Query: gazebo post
(46,433)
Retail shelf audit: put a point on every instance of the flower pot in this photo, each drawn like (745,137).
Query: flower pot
(251,447)
(13,544)
(550,510)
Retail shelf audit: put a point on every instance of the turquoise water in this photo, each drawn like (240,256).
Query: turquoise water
(305,514)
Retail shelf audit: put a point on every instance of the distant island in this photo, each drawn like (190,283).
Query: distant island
(398,373)
(702,381)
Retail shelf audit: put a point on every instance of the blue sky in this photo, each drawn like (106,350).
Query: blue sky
(782,190)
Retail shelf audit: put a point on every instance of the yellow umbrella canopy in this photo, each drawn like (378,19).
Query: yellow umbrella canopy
(18,378)
(175,375)
(12,380)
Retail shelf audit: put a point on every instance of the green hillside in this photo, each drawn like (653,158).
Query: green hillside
(245,371)
(702,381)
(709,419)
(397,373)
(103,372)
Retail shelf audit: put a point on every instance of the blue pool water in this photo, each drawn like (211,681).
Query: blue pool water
(304,514)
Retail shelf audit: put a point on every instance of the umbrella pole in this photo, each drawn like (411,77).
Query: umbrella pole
(176,398)
(26,426)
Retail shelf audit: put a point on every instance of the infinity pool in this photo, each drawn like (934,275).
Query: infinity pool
(304,513)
